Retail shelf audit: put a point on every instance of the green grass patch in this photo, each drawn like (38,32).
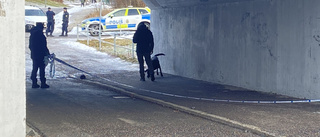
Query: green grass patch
(49,3)
(122,53)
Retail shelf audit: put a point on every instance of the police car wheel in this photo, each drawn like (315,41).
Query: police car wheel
(94,30)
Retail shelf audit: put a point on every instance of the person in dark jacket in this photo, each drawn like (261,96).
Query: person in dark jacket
(38,48)
(65,21)
(50,22)
(82,3)
(144,39)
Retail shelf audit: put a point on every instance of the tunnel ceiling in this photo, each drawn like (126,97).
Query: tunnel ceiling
(156,4)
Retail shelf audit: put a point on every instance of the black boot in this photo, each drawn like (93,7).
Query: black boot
(142,79)
(62,33)
(35,84)
(43,84)
(152,77)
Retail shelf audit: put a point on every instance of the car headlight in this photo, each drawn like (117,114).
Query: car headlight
(84,22)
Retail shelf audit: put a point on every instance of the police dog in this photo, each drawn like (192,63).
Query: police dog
(156,64)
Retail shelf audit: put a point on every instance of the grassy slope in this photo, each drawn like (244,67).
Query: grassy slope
(49,3)
(107,48)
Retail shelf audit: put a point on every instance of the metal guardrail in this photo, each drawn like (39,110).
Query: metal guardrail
(115,46)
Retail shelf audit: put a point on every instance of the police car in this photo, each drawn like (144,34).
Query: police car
(32,16)
(124,19)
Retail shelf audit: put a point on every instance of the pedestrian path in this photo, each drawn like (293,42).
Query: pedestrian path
(274,119)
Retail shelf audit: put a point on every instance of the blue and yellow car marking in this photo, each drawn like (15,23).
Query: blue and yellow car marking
(116,23)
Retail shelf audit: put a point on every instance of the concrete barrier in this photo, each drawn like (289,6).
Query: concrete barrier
(263,45)
(12,69)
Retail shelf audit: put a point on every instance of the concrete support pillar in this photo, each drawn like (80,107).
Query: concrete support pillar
(12,69)
(263,45)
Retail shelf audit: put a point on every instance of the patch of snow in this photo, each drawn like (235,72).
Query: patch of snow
(71,11)
(79,55)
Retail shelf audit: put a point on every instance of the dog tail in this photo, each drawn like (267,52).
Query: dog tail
(160,54)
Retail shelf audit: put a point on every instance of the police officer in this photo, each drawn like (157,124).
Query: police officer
(144,39)
(82,3)
(50,22)
(39,49)
(65,21)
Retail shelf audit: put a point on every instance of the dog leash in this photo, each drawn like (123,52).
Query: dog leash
(65,63)
(52,65)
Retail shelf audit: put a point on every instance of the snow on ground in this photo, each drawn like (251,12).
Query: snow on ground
(77,54)
(72,11)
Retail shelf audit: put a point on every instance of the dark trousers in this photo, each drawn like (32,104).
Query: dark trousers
(64,28)
(38,64)
(147,58)
(50,28)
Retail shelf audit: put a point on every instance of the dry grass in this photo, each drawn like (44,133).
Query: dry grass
(126,3)
(122,53)
(49,2)
(96,13)
(117,4)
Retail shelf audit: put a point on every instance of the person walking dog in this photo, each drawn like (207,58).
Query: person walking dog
(144,39)
(39,49)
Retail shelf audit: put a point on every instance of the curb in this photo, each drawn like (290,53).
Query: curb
(201,114)
(32,131)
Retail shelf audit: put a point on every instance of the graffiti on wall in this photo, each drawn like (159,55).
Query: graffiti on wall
(259,30)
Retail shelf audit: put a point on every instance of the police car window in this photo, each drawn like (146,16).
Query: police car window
(142,11)
(133,12)
(34,13)
(119,13)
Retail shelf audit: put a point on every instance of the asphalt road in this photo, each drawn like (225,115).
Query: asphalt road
(77,109)
(73,108)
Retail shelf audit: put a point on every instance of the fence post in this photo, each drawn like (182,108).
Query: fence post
(120,27)
(87,37)
(100,27)
(114,46)
(132,50)
(77,32)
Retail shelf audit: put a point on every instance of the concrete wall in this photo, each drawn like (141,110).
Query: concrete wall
(12,69)
(264,45)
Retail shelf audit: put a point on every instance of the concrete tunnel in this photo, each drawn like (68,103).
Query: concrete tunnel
(264,45)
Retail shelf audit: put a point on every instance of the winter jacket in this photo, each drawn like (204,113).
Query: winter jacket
(144,39)
(50,15)
(38,44)
(65,18)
